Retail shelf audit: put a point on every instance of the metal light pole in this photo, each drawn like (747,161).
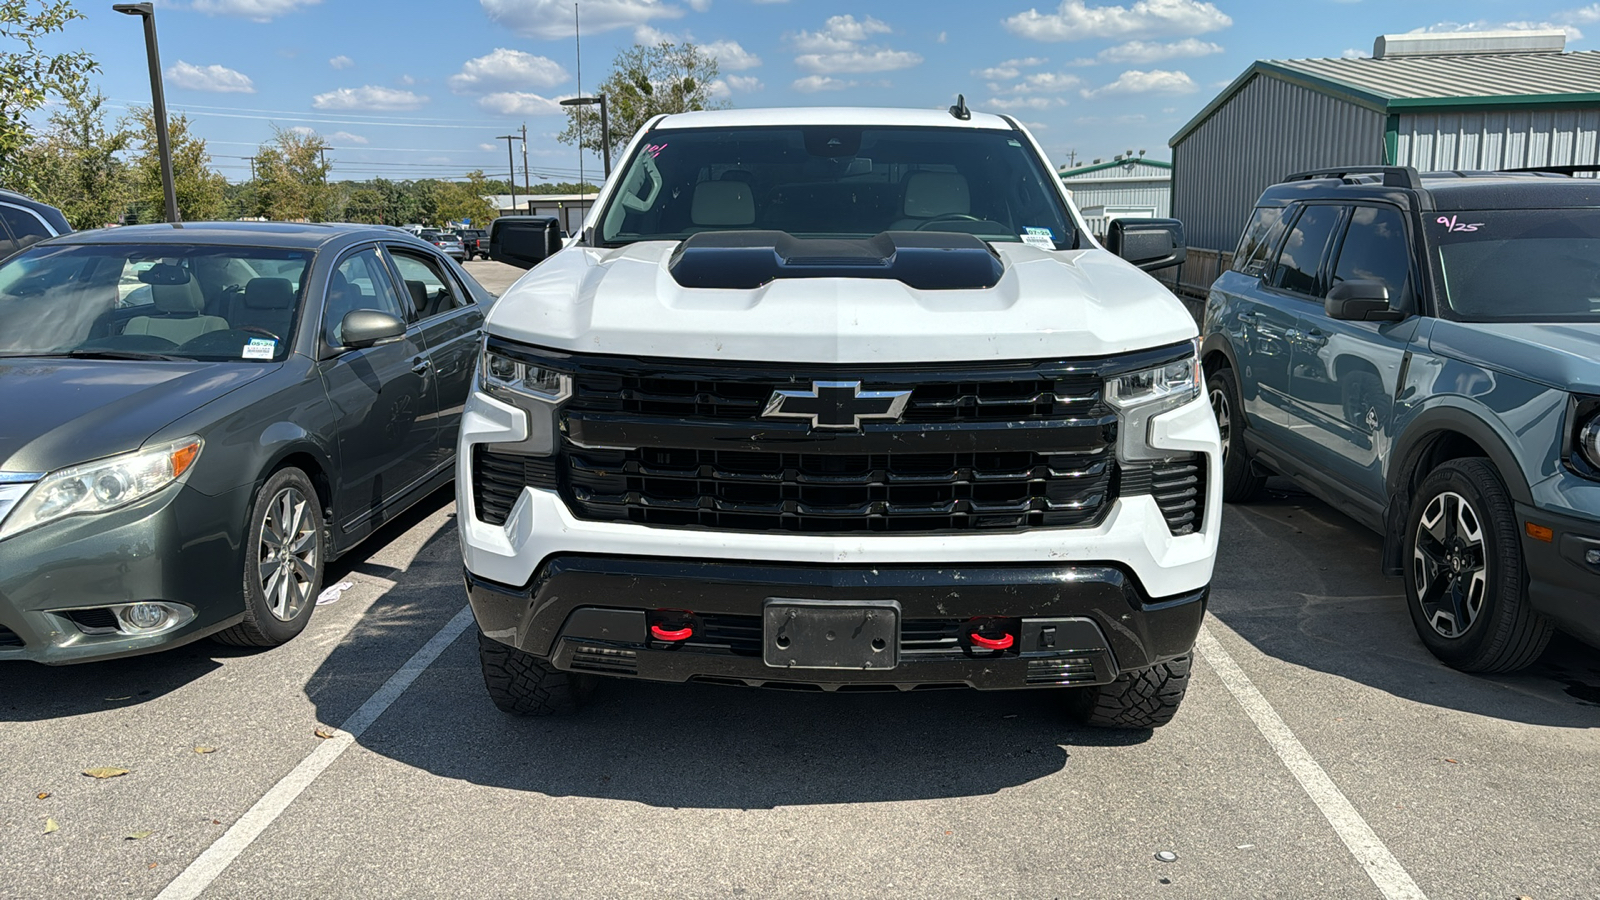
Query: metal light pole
(158,100)
(511,166)
(605,125)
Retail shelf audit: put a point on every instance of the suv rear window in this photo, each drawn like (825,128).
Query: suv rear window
(1260,236)
(1519,265)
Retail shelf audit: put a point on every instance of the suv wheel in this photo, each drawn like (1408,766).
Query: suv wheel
(525,685)
(284,551)
(1142,698)
(1241,483)
(1465,585)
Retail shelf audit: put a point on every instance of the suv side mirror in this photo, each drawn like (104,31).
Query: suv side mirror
(1361,301)
(369,327)
(1149,244)
(524,241)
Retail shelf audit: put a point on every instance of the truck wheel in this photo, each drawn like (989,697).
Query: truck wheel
(284,550)
(1241,483)
(1142,698)
(1465,585)
(525,685)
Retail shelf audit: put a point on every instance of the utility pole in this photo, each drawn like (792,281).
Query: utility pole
(511,166)
(577,38)
(252,161)
(1072,158)
(323,153)
(527,189)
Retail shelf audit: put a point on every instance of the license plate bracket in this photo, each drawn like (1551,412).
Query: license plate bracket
(821,634)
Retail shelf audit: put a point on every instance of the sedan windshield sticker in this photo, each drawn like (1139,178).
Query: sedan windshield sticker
(261,348)
(1451,224)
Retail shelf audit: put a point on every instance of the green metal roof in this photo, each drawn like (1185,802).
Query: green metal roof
(1115,163)
(1406,83)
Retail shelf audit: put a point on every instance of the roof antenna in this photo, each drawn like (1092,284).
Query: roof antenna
(960,110)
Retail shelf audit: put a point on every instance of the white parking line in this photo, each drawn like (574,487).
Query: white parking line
(205,869)
(1375,858)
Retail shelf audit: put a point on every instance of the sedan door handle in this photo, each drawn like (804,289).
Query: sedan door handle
(421,365)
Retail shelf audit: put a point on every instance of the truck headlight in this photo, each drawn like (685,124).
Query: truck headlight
(1140,396)
(102,486)
(503,375)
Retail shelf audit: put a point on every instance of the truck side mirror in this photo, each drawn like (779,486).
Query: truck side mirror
(524,241)
(1361,301)
(1149,244)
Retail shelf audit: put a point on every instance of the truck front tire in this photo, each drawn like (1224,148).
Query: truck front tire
(1142,698)
(525,685)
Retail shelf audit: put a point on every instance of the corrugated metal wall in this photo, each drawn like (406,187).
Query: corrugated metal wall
(1499,139)
(1267,130)
(1122,192)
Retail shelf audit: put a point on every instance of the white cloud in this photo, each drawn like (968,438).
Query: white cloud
(341,62)
(553,18)
(1075,20)
(1034,103)
(699,5)
(869,59)
(1149,52)
(406,80)
(506,70)
(1009,69)
(731,57)
(1573,33)
(487,147)
(813,83)
(1155,81)
(303,129)
(653,37)
(254,10)
(943,37)
(1587,15)
(216,79)
(519,103)
(1047,83)
(345,137)
(744,84)
(368,97)
(839,33)
(1353,53)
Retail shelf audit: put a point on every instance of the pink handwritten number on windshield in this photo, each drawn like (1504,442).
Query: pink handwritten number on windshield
(654,150)
(1453,225)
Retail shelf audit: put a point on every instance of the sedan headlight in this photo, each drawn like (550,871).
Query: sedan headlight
(1140,396)
(102,486)
(502,375)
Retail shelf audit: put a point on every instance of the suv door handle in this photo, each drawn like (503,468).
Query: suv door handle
(1248,318)
(421,365)
(1315,338)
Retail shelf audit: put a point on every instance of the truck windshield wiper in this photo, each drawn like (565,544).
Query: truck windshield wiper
(120,354)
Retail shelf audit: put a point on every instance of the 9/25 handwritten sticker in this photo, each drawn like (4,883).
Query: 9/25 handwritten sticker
(1451,224)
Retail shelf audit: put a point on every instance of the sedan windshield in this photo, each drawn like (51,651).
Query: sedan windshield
(832,181)
(120,301)
(1520,265)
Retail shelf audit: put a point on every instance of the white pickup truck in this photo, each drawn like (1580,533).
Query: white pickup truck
(839,399)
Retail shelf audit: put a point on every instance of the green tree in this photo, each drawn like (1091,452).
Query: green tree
(292,178)
(461,200)
(29,76)
(646,81)
(201,191)
(76,164)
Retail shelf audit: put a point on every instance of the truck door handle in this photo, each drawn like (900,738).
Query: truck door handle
(421,365)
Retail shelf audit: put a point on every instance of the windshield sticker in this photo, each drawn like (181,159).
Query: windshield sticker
(1034,229)
(261,348)
(1042,241)
(1451,224)
(1014,143)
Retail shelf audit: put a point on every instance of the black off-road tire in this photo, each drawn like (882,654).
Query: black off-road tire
(261,627)
(1506,633)
(1241,481)
(1142,698)
(525,685)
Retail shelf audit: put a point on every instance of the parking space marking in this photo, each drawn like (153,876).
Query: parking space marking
(1364,844)
(216,858)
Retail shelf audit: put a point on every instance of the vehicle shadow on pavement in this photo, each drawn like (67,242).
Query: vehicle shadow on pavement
(1300,582)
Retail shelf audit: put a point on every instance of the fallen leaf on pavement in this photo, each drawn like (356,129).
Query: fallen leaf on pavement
(50,826)
(323,732)
(216,821)
(105,772)
(44,795)
(152,865)
(138,835)
(1455,761)
(205,749)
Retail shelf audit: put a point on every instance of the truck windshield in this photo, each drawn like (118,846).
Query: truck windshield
(1520,265)
(830,181)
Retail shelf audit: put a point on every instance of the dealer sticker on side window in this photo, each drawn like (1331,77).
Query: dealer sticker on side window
(1038,237)
(261,348)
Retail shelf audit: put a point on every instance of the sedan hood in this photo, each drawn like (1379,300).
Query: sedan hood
(1563,355)
(61,412)
(1047,304)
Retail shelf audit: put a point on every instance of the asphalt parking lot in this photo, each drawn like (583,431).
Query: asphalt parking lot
(1321,753)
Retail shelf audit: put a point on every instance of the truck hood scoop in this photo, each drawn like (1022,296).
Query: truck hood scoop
(926,261)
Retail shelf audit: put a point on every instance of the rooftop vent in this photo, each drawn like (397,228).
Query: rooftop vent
(1469,43)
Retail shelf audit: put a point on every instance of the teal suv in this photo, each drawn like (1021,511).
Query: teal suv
(1423,353)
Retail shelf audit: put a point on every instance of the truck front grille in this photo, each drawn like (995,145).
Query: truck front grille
(1178,486)
(826,493)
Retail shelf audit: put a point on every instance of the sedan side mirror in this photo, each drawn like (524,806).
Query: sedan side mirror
(1361,301)
(524,241)
(369,327)
(1149,244)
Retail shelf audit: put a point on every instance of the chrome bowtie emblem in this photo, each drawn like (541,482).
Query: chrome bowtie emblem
(836,405)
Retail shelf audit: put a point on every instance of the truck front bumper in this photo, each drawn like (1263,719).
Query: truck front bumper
(1072,625)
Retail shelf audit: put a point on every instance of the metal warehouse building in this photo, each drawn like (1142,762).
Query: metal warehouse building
(1124,188)
(1485,100)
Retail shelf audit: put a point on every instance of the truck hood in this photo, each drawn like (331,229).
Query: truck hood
(69,411)
(1560,355)
(1047,304)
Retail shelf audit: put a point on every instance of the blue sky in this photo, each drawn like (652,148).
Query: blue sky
(411,89)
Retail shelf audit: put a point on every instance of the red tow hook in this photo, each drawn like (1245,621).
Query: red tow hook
(1003,642)
(681,634)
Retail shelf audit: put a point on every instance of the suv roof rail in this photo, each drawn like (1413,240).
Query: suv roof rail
(1559,170)
(1393,176)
